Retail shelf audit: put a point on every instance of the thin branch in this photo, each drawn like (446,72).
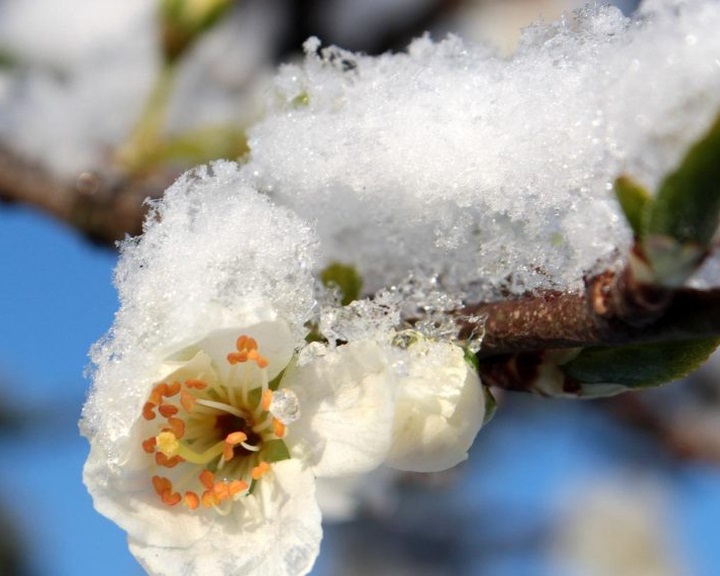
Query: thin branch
(612,310)
(103,208)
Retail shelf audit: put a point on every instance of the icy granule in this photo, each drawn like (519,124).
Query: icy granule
(495,174)
(215,254)
(421,303)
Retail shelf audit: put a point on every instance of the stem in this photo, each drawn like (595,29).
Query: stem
(146,136)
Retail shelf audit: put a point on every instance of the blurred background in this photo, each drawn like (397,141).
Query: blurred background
(101,105)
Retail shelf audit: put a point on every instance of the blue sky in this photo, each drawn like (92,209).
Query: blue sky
(57,299)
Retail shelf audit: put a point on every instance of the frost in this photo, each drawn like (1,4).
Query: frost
(214,253)
(285,406)
(494,174)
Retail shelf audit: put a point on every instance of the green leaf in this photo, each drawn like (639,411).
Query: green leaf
(636,366)
(275,451)
(634,200)
(687,206)
(345,278)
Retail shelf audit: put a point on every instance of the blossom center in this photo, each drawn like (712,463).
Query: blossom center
(217,438)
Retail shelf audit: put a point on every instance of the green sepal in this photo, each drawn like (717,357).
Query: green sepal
(345,278)
(490,405)
(472,359)
(687,205)
(274,384)
(666,262)
(254,396)
(314,334)
(634,200)
(622,368)
(275,451)
(301,100)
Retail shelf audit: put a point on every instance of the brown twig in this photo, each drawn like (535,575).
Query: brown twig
(612,310)
(103,208)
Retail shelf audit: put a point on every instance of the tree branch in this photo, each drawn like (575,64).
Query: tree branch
(103,208)
(612,310)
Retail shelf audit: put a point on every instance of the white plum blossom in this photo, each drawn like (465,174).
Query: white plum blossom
(211,418)
(439,406)
(226,451)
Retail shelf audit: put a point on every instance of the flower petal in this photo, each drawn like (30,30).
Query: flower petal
(346,409)
(274,343)
(440,408)
(280,538)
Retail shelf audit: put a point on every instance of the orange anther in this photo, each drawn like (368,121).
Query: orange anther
(262,362)
(278,428)
(177,426)
(197,384)
(161,485)
(157,393)
(187,400)
(260,470)
(237,357)
(171,498)
(168,410)
(192,500)
(266,399)
(149,445)
(228,451)
(163,460)
(241,342)
(221,491)
(171,389)
(235,438)
(237,486)
(207,479)
(208,499)
(149,411)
